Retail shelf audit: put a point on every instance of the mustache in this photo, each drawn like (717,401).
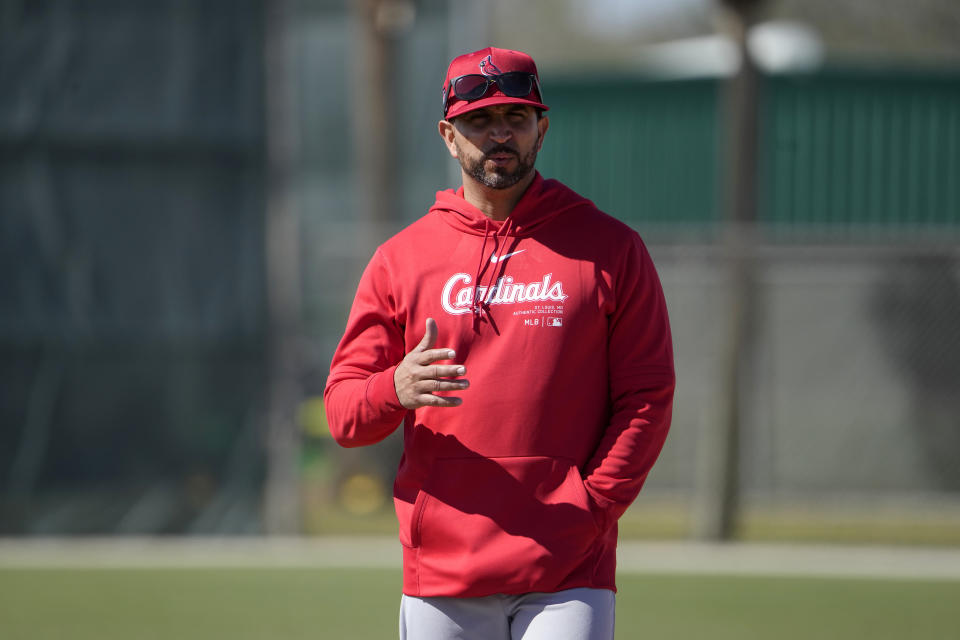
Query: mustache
(501,148)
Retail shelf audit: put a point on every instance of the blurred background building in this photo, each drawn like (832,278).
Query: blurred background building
(189,190)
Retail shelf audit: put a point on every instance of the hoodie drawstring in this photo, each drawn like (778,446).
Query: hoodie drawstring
(477,308)
(480,305)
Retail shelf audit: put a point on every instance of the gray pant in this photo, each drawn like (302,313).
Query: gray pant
(574,614)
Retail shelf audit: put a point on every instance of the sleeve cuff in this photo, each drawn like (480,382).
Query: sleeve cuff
(381,393)
(604,510)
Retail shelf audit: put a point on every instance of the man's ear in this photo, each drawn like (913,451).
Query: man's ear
(542,125)
(447,132)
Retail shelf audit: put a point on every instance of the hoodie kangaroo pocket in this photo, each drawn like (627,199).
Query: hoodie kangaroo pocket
(501,523)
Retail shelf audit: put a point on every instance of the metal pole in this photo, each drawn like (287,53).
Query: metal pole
(718,492)
(375,114)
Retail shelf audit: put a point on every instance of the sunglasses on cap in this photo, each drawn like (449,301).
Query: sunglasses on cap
(473,86)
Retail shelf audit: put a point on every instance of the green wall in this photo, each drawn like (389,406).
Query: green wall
(843,154)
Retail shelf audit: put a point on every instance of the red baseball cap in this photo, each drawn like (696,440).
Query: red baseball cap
(490,62)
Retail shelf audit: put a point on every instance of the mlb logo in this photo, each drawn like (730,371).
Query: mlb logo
(554,322)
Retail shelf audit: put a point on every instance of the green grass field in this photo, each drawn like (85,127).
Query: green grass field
(294,604)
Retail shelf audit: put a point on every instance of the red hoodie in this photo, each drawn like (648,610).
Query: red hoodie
(559,317)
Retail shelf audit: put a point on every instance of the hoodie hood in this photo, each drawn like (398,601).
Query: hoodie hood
(543,201)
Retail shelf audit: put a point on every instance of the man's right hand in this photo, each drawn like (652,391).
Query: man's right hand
(416,378)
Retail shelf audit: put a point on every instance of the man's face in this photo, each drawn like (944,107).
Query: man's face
(497,145)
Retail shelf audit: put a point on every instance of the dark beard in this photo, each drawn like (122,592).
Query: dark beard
(500,177)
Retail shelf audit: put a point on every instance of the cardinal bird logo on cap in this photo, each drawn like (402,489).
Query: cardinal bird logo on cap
(487,67)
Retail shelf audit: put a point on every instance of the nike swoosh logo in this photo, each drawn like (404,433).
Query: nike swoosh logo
(495,259)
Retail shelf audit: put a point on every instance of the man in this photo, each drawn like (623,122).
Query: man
(531,428)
